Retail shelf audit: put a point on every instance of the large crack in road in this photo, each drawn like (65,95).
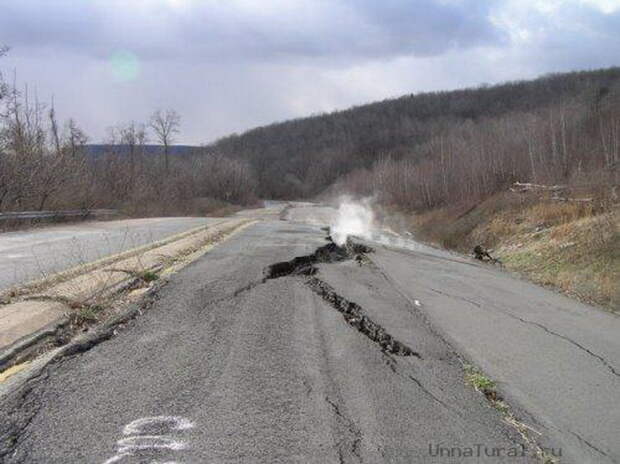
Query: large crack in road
(302,266)
(256,373)
(352,312)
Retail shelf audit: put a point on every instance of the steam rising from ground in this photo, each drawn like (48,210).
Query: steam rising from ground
(353,218)
(364,219)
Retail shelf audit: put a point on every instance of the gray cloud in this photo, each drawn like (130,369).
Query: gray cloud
(429,27)
(229,65)
(574,35)
(237,31)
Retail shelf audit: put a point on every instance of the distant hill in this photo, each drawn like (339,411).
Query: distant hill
(175,150)
(302,157)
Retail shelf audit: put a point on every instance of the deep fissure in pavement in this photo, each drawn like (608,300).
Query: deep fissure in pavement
(305,265)
(352,313)
(355,316)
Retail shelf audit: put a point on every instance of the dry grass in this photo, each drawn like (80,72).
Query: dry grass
(553,212)
(574,247)
(461,227)
(580,257)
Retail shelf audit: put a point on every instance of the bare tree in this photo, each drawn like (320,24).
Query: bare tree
(54,128)
(76,138)
(166,125)
(4,89)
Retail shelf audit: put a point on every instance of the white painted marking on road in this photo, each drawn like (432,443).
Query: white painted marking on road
(144,442)
(140,437)
(172,423)
(117,458)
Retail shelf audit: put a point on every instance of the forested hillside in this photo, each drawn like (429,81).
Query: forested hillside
(98,149)
(428,149)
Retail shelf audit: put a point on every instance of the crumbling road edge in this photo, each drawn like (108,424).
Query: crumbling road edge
(32,345)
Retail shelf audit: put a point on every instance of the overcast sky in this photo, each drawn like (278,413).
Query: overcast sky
(229,65)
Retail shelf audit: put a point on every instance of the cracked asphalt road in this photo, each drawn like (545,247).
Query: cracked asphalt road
(33,254)
(227,367)
(555,357)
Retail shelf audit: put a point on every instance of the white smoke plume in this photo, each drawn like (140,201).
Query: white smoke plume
(354,218)
(365,219)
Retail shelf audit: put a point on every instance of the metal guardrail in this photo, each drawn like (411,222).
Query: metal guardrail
(58,215)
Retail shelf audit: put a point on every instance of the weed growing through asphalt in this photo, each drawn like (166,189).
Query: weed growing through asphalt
(480,382)
(483,384)
(87,314)
(149,276)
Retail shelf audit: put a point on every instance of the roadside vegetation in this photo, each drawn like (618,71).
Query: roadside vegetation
(571,246)
(47,165)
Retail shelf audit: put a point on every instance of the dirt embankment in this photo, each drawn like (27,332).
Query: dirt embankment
(570,246)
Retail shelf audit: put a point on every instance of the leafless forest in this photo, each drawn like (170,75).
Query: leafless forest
(46,164)
(428,150)
(416,152)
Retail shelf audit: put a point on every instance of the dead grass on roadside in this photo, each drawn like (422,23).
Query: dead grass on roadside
(554,212)
(572,246)
(461,227)
(581,258)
